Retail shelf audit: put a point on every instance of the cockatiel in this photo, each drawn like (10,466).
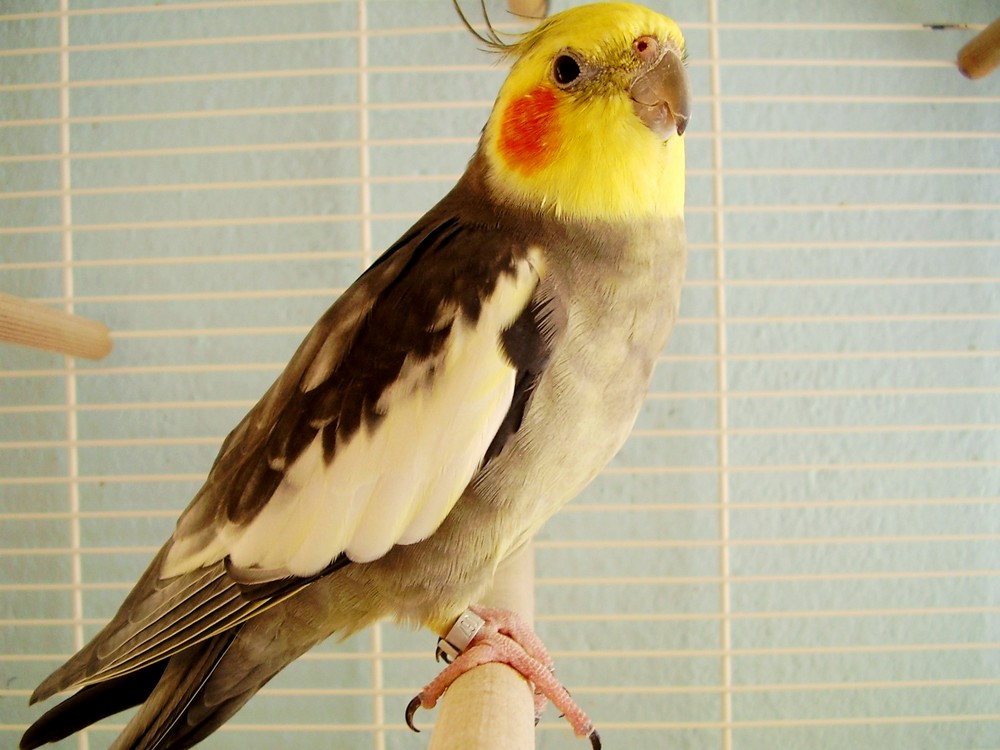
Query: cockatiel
(474,379)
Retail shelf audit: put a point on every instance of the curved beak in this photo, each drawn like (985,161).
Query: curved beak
(661,96)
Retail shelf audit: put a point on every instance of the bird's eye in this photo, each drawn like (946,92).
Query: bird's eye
(647,48)
(565,70)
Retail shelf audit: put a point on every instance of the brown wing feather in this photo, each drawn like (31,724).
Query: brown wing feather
(167,608)
(166,614)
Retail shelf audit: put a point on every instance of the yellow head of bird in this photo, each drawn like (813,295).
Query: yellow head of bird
(589,124)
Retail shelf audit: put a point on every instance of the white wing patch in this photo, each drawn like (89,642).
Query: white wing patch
(396,483)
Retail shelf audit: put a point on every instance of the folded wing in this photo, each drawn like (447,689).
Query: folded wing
(398,396)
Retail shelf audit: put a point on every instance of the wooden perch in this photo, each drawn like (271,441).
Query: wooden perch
(43,327)
(492,707)
(981,56)
(528,8)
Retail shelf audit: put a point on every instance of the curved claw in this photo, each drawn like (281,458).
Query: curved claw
(411,709)
(595,740)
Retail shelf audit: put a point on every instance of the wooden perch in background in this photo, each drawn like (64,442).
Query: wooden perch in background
(528,8)
(492,707)
(981,56)
(43,327)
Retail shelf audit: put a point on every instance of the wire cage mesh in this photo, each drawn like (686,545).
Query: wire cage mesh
(798,545)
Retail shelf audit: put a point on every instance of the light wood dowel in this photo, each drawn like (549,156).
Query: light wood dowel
(981,56)
(43,327)
(528,8)
(492,706)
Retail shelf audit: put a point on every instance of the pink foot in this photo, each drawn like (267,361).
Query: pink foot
(504,638)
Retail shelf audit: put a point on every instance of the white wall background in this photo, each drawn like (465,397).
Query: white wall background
(798,547)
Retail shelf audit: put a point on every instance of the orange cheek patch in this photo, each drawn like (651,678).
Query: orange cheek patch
(528,130)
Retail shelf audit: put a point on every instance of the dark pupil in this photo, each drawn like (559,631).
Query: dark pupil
(566,69)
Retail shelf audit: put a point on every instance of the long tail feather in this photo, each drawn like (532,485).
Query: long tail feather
(92,704)
(180,685)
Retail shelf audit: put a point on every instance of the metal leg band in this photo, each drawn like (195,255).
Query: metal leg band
(459,637)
